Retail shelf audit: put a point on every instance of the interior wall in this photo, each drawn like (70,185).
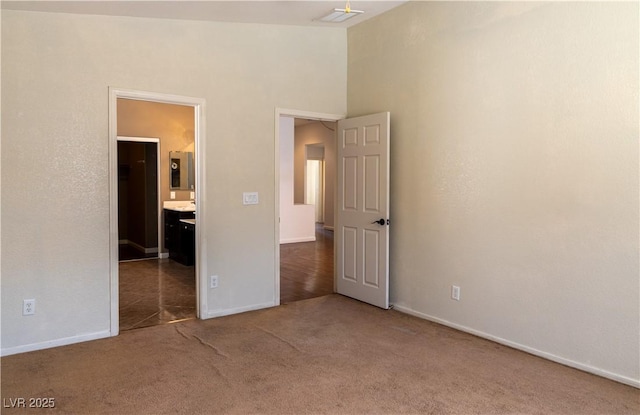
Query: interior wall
(317,133)
(297,221)
(55,100)
(514,156)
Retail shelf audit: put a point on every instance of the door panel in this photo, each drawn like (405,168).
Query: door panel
(372,184)
(372,258)
(362,243)
(349,269)
(350,184)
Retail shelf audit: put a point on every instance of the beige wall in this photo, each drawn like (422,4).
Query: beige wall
(316,133)
(172,124)
(297,221)
(56,71)
(514,170)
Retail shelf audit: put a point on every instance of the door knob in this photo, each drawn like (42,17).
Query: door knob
(379,222)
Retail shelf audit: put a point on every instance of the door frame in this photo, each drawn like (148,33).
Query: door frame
(150,140)
(309,115)
(198,105)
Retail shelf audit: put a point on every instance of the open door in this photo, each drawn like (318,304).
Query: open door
(362,216)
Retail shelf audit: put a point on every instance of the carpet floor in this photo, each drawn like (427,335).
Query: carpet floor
(327,355)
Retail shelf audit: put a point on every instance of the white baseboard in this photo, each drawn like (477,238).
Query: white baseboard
(329,228)
(549,356)
(163,255)
(296,240)
(138,247)
(55,343)
(238,310)
(142,248)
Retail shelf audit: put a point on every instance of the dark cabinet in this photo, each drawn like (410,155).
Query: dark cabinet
(178,239)
(187,243)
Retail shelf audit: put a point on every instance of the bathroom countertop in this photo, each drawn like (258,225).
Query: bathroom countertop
(179,205)
(191,221)
(182,208)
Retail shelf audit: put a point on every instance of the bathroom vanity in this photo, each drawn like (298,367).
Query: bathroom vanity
(187,241)
(179,233)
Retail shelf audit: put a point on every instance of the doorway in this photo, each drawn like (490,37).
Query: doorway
(153,290)
(361,267)
(306,268)
(305,188)
(195,272)
(314,178)
(138,198)
(158,290)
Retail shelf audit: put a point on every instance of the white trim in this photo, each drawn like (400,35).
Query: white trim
(198,105)
(55,343)
(113,212)
(296,240)
(328,228)
(230,311)
(545,355)
(320,116)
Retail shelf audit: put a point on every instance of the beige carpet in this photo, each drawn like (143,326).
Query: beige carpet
(325,355)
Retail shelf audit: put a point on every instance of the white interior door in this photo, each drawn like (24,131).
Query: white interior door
(362,219)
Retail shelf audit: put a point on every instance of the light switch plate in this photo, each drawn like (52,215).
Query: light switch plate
(172,195)
(455,292)
(250,198)
(192,195)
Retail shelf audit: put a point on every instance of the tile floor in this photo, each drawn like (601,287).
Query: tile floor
(155,291)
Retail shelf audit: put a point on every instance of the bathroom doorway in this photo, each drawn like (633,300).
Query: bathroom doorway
(160,290)
(155,290)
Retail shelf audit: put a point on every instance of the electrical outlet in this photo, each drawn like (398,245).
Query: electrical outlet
(213,281)
(455,292)
(28,307)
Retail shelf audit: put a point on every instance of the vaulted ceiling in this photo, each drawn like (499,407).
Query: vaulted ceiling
(299,13)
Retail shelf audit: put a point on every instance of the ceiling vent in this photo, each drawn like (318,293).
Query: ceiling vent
(340,15)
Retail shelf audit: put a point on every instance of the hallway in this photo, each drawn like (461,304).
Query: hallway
(306,268)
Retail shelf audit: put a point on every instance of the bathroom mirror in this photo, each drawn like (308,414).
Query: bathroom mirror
(181,170)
